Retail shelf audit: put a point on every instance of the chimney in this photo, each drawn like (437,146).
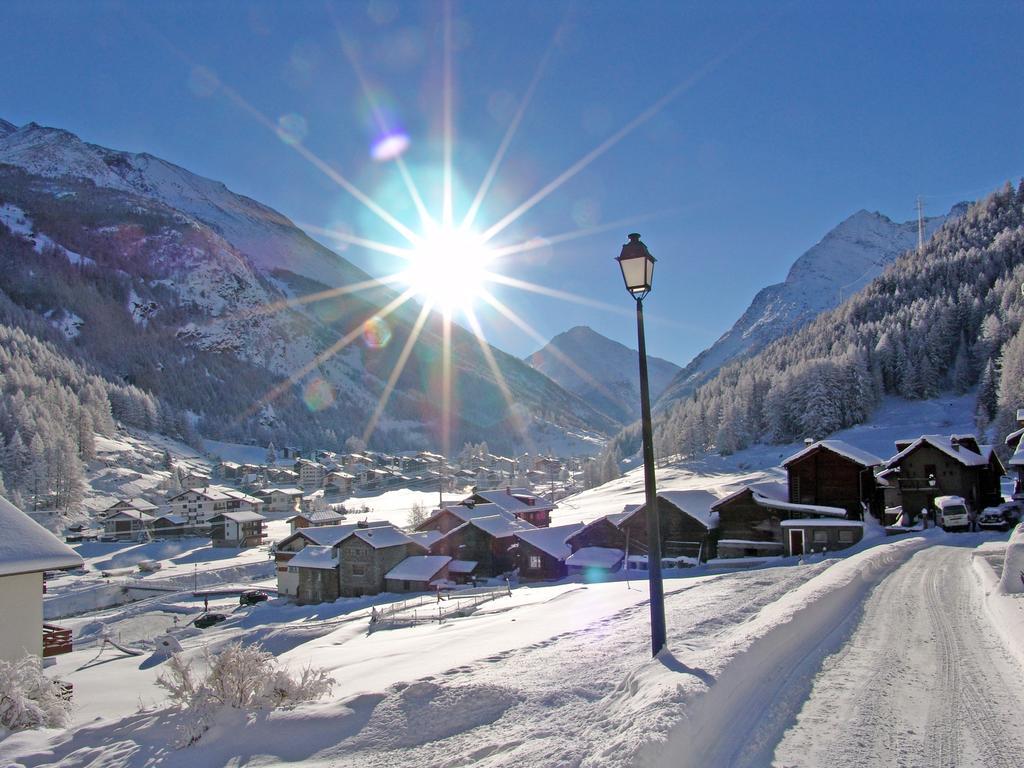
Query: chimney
(954,441)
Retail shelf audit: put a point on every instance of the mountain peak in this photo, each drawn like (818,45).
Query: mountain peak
(6,127)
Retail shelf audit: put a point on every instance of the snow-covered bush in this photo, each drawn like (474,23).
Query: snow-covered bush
(241,677)
(28,698)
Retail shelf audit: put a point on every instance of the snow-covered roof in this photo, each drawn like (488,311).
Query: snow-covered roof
(315,556)
(500,526)
(1017,460)
(136,502)
(425,538)
(285,491)
(841,447)
(172,519)
(595,557)
(750,544)
(219,493)
(771,489)
(129,514)
(1013,438)
(240,516)
(828,523)
(27,547)
(512,500)
(462,566)
(418,568)
(945,443)
(380,538)
(551,540)
(322,515)
(332,534)
(696,503)
(789,506)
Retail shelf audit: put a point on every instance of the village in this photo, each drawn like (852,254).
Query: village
(498,535)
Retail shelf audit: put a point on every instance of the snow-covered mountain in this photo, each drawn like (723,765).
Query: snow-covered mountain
(170,281)
(845,260)
(601,371)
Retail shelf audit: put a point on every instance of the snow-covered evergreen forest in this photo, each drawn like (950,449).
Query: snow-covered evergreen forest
(51,408)
(947,318)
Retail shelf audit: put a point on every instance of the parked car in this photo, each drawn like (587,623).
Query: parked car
(208,620)
(252,596)
(1002,517)
(952,512)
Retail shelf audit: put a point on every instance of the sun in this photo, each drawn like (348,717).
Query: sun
(448,267)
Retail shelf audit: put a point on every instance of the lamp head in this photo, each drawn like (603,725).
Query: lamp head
(637,265)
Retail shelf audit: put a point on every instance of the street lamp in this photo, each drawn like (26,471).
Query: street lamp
(637,265)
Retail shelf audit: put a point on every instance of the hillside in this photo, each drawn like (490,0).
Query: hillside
(601,371)
(845,260)
(945,319)
(157,277)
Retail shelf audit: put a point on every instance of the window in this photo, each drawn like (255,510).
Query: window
(846,537)
(358,570)
(821,537)
(283,569)
(534,564)
(293,569)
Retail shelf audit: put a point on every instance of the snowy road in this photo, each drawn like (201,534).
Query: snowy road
(922,681)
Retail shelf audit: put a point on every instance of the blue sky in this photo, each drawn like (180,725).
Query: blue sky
(790,118)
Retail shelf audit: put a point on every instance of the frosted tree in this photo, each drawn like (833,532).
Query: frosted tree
(271,457)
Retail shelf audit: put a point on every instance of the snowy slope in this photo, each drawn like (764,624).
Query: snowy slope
(601,371)
(267,237)
(844,261)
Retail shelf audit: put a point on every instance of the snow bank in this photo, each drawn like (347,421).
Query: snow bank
(1012,581)
(1005,611)
(773,658)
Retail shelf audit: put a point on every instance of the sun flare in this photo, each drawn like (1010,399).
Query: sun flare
(448,267)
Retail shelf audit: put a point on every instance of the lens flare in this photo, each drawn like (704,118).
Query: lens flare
(318,394)
(390,146)
(292,128)
(449,267)
(376,333)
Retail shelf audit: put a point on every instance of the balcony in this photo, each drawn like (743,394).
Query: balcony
(56,640)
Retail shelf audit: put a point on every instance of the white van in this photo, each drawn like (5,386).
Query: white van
(952,512)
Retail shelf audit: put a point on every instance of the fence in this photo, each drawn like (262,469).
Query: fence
(427,609)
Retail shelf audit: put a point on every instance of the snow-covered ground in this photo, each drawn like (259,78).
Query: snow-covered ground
(806,664)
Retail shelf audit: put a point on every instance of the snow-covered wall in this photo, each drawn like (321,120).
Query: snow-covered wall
(1012,581)
(21,606)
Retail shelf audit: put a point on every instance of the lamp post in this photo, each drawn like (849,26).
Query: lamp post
(637,265)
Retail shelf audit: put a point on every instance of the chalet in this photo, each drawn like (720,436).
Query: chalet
(195,479)
(229,470)
(418,573)
(1016,462)
(339,482)
(241,528)
(750,519)
(487,540)
(170,526)
(199,505)
(282,475)
(127,524)
(279,499)
(316,569)
(311,474)
(285,550)
(366,555)
(542,552)
(322,516)
(805,536)
(941,465)
(137,504)
(687,524)
(27,550)
(836,474)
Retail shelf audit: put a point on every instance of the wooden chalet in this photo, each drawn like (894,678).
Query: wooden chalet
(286,549)
(489,541)
(542,552)
(834,473)
(517,501)
(750,519)
(238,529)
(945,465)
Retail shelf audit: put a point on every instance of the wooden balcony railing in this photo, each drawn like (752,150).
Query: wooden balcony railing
(56,640)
